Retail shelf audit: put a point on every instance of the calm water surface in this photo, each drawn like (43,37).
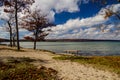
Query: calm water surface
(86,48)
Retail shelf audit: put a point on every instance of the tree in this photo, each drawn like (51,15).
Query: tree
(29,38)
(112,12)
(17,6)
(109,13)
(8,18)
(8,28)
(35,22)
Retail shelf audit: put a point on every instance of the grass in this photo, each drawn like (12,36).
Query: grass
(21,69)
(111,63)
(11,49)
(45,51)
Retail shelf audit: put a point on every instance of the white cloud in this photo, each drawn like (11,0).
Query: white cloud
(114,8)
(3,15)
(50,7)
(57,5)
(3,34)
(75,26)
(67,5)
(23,32)
(88,28)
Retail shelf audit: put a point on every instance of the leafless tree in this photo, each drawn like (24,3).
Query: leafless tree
(17,6)
(35,22)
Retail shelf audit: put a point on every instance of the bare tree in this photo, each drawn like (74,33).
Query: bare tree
(109,13)
(35,22)
(9,20)
(17,6)
(10,30)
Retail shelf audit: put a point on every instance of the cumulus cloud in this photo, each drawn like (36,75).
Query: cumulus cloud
(57,5)
(3,34)
(76,28)
(96,27)
(51,7)
(3,15)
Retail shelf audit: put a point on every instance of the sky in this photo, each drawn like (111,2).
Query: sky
(84,11)
(76,19)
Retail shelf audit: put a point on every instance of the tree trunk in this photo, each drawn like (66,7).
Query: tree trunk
(34,44)
(10,33)
(17,31)
(35,40)
(14,41)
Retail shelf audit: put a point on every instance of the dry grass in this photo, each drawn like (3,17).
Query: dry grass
(111,63)
(20,69)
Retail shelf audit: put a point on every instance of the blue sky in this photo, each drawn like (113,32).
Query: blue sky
(86,10)
(76,19)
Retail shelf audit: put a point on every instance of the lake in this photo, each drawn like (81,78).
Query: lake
(86,48)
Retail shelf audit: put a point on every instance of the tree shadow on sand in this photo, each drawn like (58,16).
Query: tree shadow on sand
(12,49)
(20,60)
(19,68)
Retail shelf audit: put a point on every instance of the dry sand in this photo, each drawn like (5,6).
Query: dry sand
(67,70)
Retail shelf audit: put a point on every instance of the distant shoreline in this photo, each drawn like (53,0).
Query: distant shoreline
(80,40)
(67,40)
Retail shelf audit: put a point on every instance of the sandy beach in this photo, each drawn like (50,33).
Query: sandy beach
(67,70)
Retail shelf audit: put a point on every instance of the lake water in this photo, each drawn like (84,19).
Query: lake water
(86,48)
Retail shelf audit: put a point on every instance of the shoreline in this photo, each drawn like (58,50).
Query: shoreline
(85,49)
(67,70)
